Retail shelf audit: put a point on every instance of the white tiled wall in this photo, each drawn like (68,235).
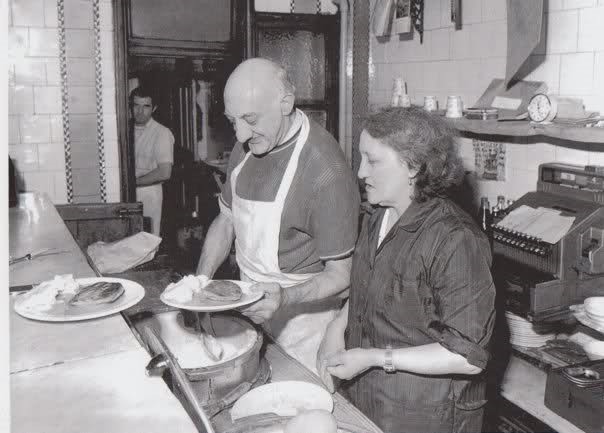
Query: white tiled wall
(35,120)
(463,62)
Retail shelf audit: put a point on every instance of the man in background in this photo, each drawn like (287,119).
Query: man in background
(154,155)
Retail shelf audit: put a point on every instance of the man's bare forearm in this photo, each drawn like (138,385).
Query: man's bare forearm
(217,245)
(157,175)
(333,280)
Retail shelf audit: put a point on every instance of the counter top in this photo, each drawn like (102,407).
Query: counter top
(110,393)
(77,376)
(35,225)
(524,385)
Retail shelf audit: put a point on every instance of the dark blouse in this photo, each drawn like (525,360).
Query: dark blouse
(428,281)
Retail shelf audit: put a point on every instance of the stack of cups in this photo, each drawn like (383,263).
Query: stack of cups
(454,107)
(430,103)
(404,101)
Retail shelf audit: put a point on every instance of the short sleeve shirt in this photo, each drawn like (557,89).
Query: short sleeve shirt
(320,216)
(154,145)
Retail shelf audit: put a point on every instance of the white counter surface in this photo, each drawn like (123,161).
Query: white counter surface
(86,376)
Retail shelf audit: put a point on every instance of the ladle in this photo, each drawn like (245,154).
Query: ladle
(203,325)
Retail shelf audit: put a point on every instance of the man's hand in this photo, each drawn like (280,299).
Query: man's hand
(266,307)
(350,363)
(333,342)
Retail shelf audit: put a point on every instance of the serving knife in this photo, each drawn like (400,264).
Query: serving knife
(33,255)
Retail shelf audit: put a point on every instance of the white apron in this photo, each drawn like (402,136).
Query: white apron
(145,161)
(298,329)
(151,196)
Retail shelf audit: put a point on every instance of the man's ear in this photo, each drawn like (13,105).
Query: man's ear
(154,108)
(287,103)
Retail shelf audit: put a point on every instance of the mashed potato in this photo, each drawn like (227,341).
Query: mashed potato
(43,296)
(182,291)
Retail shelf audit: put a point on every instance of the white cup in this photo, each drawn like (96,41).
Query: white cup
(430,103)
(404,101)
(454,107)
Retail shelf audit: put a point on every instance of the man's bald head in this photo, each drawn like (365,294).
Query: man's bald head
(258,78)
(259,99)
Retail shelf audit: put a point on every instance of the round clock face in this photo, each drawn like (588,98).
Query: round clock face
(540,108)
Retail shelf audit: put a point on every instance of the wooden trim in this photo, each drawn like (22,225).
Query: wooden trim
(190,48)
(332,78)
(126,145)
(95,211)
(169,48)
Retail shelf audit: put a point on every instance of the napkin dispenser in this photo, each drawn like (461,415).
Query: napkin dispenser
(576,393)
(540,280)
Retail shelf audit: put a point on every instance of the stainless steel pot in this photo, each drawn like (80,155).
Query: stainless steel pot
(218,386)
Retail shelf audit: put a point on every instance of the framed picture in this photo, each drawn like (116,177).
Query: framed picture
(489,160)
(402,16)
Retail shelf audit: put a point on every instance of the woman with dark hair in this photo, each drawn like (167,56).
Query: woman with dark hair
(412,342)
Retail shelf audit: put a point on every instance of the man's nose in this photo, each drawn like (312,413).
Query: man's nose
(242,131)
(361,173)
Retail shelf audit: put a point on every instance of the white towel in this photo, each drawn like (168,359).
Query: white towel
(124,254)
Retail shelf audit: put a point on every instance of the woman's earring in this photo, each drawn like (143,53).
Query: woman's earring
(411,181)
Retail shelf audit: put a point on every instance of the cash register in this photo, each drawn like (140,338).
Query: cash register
(540,279)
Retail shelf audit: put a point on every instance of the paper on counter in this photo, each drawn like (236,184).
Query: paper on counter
(544,223)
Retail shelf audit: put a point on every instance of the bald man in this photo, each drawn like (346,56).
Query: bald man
(291,204)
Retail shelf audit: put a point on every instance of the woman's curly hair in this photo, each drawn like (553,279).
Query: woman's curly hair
(425,142)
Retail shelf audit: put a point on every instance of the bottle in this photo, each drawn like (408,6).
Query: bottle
(13,198)
(501,202)
(485,215)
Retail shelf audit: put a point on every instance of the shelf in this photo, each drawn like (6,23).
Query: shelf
(523,128)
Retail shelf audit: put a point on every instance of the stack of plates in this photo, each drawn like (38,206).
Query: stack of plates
(527,334)
(594,308)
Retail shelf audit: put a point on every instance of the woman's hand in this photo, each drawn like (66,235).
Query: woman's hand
(347,364)
(333,342)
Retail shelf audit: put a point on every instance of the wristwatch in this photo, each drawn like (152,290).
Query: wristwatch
(388,365)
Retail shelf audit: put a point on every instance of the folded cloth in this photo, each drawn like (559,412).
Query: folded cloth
(119,256)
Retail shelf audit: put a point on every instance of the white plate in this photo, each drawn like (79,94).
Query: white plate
(217,161)
(285,398)
(595,305)
(61,312)
(209,305)
(595,317)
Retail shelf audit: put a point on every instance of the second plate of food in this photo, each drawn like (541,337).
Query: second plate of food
(192,293)
(65,299)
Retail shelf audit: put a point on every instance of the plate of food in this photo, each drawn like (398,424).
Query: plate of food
(285,398)
(65,299)
(197,293)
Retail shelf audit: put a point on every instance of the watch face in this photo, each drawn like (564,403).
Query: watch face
(539,108)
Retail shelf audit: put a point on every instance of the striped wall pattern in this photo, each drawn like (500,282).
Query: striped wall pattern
(98,85)
(65,99)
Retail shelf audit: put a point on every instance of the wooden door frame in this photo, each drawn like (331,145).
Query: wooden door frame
(238,48)
(122,111)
